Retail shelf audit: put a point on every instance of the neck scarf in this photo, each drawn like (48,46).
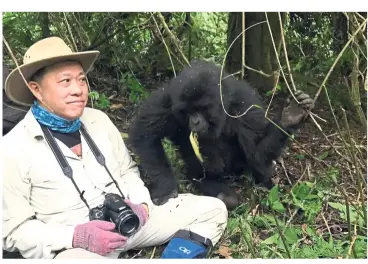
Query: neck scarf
(54,122)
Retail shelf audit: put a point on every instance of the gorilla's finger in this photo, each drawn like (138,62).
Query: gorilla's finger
(307,101)
(308,106)
(302,97)
(297,92)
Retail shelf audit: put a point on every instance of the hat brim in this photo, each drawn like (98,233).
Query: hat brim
(17,90)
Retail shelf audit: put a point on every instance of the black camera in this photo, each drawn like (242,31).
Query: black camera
(114,209)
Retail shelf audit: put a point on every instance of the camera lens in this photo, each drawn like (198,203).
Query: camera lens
(126,222)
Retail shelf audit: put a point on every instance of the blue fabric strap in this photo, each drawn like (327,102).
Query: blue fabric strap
(180,248)
(54,122)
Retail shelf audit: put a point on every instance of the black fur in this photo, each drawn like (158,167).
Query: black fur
(230,146)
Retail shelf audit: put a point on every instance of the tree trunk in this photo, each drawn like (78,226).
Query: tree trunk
(45,24)
(355,87)
(259,50)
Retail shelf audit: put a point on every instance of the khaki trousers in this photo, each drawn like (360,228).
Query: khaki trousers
(206,216)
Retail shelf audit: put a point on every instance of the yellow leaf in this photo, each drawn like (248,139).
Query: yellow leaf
(116,106)
(195,146)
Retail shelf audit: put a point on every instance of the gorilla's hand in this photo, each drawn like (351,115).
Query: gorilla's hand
(294,113)
(162,190)
(163,199)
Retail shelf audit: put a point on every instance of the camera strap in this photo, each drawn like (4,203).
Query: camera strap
(66,168)
(98,155)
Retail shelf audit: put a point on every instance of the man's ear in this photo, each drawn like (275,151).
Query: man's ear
(35,89)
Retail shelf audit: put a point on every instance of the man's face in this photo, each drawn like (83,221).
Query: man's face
(63,88)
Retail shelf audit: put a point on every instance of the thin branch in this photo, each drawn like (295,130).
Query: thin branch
(70,32)
(324,219)
(106,39)
(222,69)
(277,57)
(285,51)
(337,59)
(360,178)
(153,253)
(163,41)
(85,33)
(173,37)
(257,71)
(243,45)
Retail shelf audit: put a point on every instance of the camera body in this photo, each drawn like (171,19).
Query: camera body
(114,209)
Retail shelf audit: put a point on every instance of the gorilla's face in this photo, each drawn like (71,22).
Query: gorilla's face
(197,123)
(204,118)
(196,103)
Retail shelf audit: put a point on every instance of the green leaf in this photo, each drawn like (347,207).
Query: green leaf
(301,191)
(272,240)
(269,93)
(323,155)
(291,235)
(355,218)
(300,156)
(277,206)
(310,232)
(274,194)
(339,206)
(311,197)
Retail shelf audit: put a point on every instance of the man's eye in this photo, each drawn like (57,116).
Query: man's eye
(83,79)
(65,80)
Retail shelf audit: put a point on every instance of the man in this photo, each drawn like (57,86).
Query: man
(61,161)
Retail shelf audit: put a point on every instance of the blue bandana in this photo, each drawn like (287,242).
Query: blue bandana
(54,122)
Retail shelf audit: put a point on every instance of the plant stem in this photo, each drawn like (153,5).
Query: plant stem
(349,224)
(249,243)
(281,234)
(360,179)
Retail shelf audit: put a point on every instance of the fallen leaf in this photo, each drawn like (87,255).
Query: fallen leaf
(255,210)
(116,106)
(225,252)
(304,228)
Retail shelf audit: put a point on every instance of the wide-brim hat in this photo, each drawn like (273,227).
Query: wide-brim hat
(43,53)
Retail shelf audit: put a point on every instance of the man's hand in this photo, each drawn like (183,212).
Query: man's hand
(141,210)
(97,236)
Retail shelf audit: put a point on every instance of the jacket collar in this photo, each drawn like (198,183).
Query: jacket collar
(34,129)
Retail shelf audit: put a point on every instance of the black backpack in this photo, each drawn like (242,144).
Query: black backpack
(12,113)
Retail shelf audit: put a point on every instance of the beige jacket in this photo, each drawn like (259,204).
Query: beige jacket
(34,184)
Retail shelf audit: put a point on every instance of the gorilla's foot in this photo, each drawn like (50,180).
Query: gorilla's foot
(231,201)
(221,191)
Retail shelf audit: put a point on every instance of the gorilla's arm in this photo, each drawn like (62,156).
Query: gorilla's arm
(261,149)
(261,141)
(152,124)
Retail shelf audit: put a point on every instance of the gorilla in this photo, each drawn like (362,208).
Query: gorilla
(230,146)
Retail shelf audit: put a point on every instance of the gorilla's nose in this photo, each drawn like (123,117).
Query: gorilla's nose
(196,120)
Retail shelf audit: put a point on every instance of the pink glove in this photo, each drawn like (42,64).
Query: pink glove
(96,236)
(140,211)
